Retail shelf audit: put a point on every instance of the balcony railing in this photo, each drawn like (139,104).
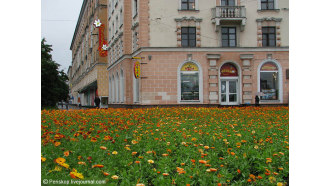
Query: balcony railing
(228,12)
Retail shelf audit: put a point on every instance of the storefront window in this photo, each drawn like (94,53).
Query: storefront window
(269,83)
(189,82)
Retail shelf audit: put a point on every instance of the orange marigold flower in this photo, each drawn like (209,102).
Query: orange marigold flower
(202,161)
(239,171)
(249,180)
(98,166)
(43,159)
(134,142)
(206,147)
(66,153)
(193,160)
(81,163)
(213,170)
(259,177)
(57,143)
(164,155)
(59,160)
(103,148)
(140,184)
(106,174)
(133,153)
(137,162)
(219,184)
(182,164)
(280,168)
(207,165)
(232,153)
(93,139)
(267,173)
(275,173)
(165,174)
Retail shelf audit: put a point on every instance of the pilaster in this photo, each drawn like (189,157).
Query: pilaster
(247,77)
(213,78)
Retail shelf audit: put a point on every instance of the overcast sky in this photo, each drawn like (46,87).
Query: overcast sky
(58,22)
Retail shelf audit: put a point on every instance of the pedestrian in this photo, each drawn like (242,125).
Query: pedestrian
(257,100)
(97,101)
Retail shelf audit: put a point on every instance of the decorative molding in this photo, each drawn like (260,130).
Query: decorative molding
(185,18)
(269,19)
(213,56)
(246,56)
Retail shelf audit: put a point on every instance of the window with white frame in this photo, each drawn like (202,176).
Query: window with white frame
(188,5)
(190,82)
(267,4)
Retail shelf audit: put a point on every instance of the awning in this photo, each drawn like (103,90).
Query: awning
(87,87)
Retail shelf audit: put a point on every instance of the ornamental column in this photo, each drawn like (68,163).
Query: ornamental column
(213,78)
(247,78)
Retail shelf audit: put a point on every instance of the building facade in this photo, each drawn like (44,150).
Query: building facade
(181,52)
(88,76)
(222,52)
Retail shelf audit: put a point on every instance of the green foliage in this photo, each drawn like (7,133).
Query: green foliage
(53,82)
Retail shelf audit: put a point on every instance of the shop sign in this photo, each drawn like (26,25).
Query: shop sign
(228,70)
(269,67)
(137,70)
(189,67)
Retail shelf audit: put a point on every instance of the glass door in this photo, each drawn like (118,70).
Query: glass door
(229,92)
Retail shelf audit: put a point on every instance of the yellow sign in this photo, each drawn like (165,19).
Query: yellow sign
(137,70)
(189,67)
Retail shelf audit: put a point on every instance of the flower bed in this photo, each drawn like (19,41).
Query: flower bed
(164,146)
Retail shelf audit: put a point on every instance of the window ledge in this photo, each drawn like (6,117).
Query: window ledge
(270,101)
(190,101)
(268,10)
(180,10)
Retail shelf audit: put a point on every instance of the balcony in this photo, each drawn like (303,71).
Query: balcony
(223,15)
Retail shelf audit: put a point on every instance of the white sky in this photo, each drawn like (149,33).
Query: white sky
(58,22)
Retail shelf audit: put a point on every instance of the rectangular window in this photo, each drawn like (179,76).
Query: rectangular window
(228,36)
(268,36)
(227,2)
(188,36)
(187,4)
(267,4)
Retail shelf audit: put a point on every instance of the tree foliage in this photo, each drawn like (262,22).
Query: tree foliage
(53,82)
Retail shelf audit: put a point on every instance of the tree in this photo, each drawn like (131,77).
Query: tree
(53,82)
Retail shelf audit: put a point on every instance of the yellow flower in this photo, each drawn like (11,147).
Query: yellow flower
(151,161)
(134,142)
(279,184)
(114,152)
(272,179)
(256,147)
(43,159)
(115,177)
(76,175)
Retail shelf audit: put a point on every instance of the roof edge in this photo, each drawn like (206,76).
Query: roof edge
(78,22)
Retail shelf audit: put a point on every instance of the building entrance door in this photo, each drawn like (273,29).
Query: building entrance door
(229,92)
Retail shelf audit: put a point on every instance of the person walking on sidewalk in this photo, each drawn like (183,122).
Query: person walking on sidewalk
(97,102)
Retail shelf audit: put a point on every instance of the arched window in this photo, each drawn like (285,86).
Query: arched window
(190,83)
(121,84)
(110,89)
(117,87)
(269,81)
(113,89)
